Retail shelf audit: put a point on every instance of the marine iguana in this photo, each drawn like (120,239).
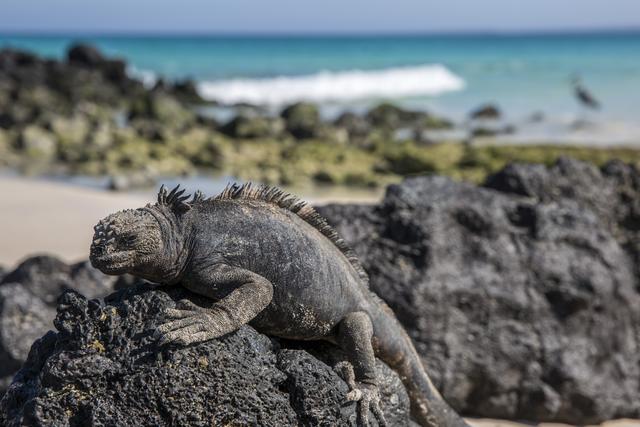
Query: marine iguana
(269,260)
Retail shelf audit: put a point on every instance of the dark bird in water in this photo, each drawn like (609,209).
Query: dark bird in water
(584,96)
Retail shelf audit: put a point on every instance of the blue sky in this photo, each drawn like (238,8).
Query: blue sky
(307,16)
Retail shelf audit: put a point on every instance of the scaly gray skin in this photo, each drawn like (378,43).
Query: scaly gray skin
(266,259)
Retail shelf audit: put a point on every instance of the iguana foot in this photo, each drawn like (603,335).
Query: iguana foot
(190,324)
(366,395)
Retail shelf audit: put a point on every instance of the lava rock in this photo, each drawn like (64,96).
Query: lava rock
(47,277)
(249,126)
(37,143)
(187,91)
(104,364)
(23,319)
(85,55)
(390,116)
(302,120)
(357,126)
(490,131)
(521,296)
(488,111)
(28,298)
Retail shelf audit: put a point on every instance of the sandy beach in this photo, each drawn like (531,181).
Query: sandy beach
(44,217)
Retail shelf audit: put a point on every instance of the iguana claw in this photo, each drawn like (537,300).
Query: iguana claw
(189,324)
(367,396)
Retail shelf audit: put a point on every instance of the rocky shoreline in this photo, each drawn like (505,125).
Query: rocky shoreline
(85,115)
(521,296)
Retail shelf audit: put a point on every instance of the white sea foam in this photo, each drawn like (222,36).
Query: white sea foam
(423,80)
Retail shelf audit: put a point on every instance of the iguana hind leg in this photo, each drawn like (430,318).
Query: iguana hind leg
(354,336)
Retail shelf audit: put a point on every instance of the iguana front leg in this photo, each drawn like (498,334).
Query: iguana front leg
(246,295)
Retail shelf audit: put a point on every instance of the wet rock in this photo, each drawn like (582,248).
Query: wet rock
(15,115)
(391,116)
(85,55)
(71,134)
(201,147)
(186,91)
(8,156)
(104,364)
(487,111)
(164,109)
(86,75)
(21,66)
(357,126)
(521,297)
(248,126)
(302,120)
(489,131)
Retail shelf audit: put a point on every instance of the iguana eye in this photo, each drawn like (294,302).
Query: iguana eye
(128,240)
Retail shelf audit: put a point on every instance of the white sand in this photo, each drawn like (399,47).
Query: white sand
(43,217)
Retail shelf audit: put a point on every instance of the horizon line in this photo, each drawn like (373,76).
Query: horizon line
(311,34)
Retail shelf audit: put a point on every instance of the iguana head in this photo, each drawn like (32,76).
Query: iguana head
(125,241)
(147,242)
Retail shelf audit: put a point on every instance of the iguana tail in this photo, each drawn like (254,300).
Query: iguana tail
(394,347)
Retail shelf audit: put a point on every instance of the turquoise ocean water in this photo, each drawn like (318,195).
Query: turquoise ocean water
(449,74)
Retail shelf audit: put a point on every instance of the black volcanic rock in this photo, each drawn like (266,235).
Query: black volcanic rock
(47,277)
(28,296)
(103,364)
(23,319)
(302,120)
(488,111)
(387,115)
(85,55)
(58,86)
(522,297)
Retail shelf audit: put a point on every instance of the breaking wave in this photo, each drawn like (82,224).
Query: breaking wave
(341,86)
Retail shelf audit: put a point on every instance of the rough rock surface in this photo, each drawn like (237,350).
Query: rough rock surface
(47,277)
(28,297)
(104,364)
(23,319)
(302,120)
(487,111)
(522,296)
